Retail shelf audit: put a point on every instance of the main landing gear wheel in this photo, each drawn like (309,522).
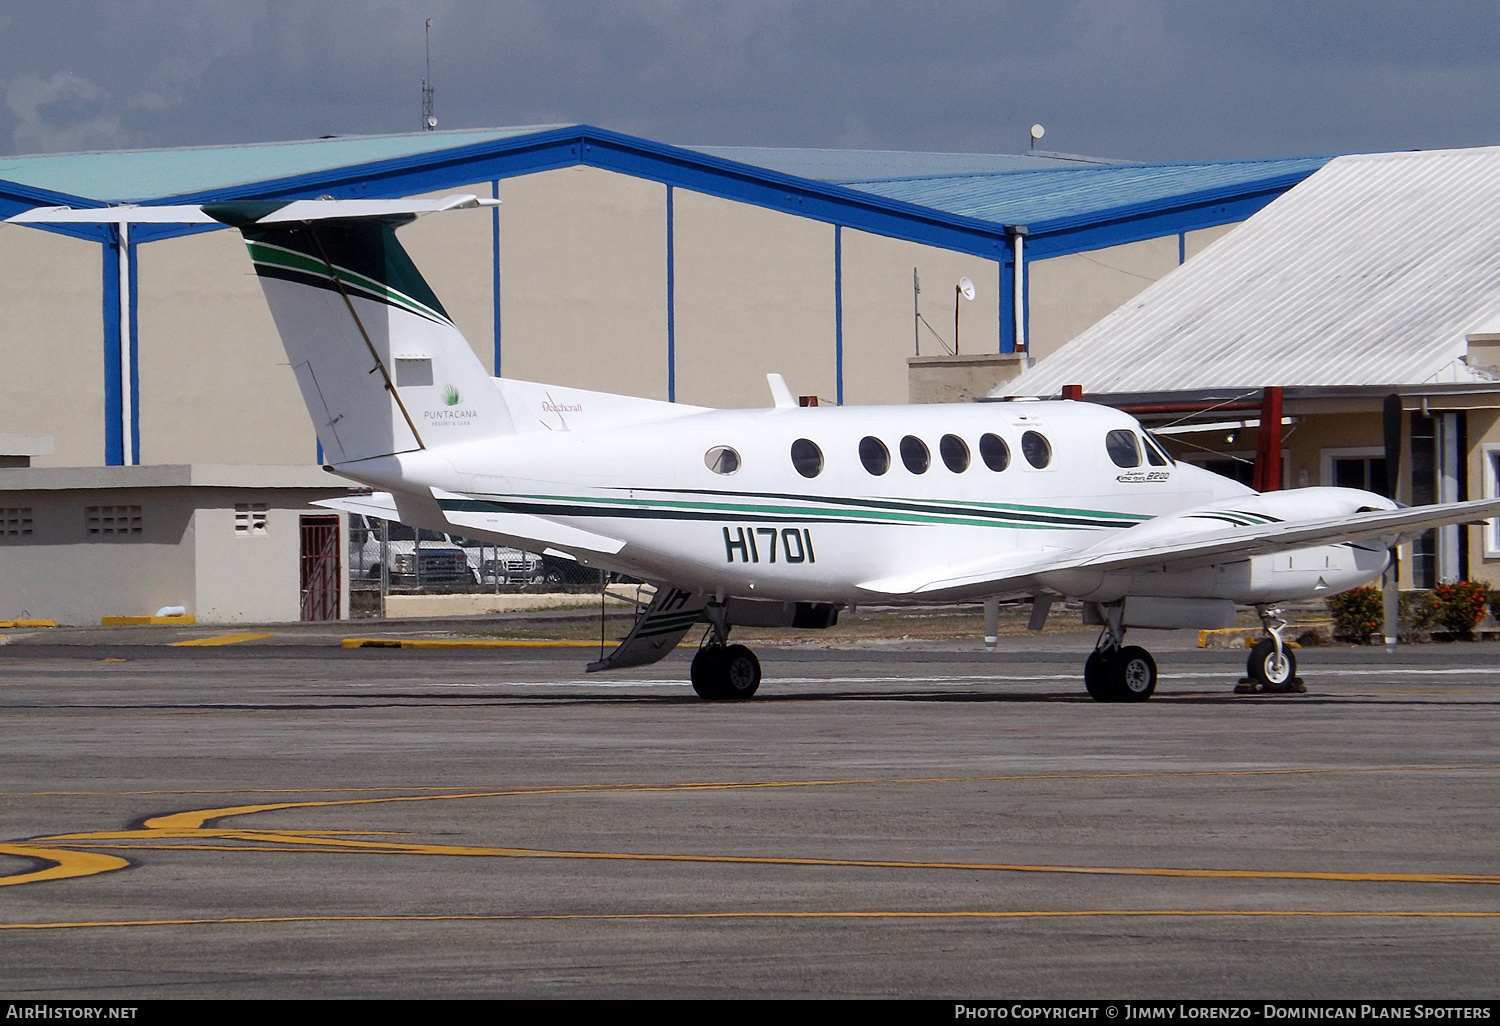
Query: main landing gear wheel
(725,673)
(1132,674)
(1120,674)
(1271,673)
(1096,675)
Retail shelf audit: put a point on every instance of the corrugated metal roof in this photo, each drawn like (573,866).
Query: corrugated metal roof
(1370,272)
(841,166)
(1045,198)
(121,175)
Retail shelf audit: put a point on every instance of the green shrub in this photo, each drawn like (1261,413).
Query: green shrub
(1460,606)
(1416,615)
(1357,614)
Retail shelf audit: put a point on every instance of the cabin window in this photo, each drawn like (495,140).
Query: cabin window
(807,457)
(915,455)
(994,452)
(1036,449)
(1123,449)
(721,459)
(955,453)
(874,455)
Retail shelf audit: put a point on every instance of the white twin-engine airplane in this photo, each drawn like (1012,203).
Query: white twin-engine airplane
(781,516)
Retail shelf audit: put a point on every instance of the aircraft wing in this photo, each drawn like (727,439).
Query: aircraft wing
(1122,552)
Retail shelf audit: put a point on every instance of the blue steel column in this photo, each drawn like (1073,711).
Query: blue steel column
(671,307)
(838,313)
(133,350)
(495,259)
(114,452)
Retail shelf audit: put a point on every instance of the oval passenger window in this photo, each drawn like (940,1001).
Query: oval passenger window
(1036,449)
(807,458)
(915,455)
(721,459)
(994,452)
(874,455)
(1123,449)
(955,453)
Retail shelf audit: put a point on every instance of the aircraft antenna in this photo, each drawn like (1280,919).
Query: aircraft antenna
(429,118)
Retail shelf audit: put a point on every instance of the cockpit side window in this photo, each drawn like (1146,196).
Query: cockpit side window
(1123,449)
(1156,453)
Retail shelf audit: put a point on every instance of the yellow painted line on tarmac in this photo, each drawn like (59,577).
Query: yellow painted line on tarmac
(222,639)
(65,863)
(425,643)
(542,917)
(301,841)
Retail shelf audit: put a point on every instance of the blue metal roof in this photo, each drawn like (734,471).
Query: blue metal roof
(138,175)
(822,165)
(1067,208)
(1055,198)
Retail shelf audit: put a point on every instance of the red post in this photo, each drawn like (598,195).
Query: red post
(1073,392)
(1268,442)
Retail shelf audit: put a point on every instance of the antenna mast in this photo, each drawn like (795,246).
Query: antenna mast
(429,118)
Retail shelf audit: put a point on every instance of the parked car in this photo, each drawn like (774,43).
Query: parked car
(501,564)
(413,555)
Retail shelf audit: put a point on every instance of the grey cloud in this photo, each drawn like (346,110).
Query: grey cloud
(1145,79)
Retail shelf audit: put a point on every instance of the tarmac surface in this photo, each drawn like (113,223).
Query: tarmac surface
(282,817)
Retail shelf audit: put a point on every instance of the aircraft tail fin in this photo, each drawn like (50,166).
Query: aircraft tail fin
(381,365)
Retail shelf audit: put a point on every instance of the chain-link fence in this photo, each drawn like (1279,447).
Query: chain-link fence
(390,558)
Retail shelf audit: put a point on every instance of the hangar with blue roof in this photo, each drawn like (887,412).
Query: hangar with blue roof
(614,262)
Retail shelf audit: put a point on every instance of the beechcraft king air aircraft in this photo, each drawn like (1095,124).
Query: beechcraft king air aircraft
(780,516)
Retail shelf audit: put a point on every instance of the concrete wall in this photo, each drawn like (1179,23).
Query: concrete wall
(52,338)
(215,386)
(188,554)
(583,260)
(754,294)
(1483,430)
(1070,293)
(878,322)
(60,574)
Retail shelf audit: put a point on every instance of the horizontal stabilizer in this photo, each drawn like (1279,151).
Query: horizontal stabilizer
(520,529)
(241,213)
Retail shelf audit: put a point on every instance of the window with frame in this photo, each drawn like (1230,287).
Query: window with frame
(15,522)
(249,519)
(112,521)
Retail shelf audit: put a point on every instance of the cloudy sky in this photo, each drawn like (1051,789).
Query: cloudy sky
(1138,79)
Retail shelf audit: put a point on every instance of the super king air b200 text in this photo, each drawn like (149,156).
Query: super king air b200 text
(780,516)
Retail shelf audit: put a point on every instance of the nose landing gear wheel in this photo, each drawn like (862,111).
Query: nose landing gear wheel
(1270,673)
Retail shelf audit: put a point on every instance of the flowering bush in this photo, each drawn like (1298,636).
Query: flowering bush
(1460,606)
(1357,614)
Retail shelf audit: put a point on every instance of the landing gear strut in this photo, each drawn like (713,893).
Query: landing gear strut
(1272,666)
(1114,671)
(721,671)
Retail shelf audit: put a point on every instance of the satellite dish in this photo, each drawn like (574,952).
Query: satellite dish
(431,121)
(966,287)
(1037,131)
